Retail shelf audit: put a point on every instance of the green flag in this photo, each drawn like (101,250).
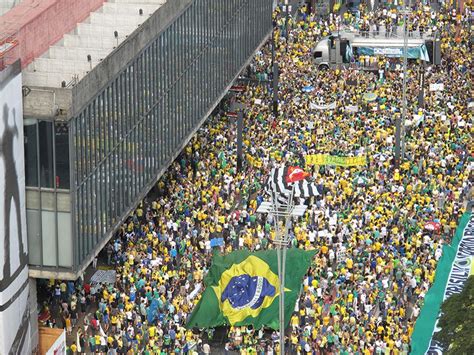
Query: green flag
(242,288)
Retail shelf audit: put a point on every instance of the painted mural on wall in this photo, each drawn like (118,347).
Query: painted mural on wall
(14,290)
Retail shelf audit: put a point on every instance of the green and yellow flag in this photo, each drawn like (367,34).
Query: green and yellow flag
(242,288)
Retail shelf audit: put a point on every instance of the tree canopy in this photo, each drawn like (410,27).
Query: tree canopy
(457,321)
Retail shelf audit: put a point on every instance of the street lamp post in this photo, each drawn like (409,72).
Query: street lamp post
(240,125)
(275,78)
(421,93)
(281,212)
(400,121)
(237,109)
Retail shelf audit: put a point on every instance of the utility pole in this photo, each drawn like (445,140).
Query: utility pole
(237,112)
(421,92)
(275,90)
(240,125)
(273,43)
(400,121)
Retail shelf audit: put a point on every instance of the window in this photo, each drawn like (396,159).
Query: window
(318,54)
(46,154)
(31,152)
(62,155)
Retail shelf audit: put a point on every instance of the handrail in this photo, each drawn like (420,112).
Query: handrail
(73,81)
(387,34)
(7,44)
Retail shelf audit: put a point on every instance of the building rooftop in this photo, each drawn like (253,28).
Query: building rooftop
(78,52)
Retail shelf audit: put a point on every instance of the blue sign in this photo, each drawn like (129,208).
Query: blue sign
(217,242)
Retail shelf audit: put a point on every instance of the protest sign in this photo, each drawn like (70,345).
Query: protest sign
(326,159)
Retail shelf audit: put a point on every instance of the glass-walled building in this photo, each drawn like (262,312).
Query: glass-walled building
(85,174)
(48,192)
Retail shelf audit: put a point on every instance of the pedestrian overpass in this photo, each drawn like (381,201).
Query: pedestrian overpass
(110,106)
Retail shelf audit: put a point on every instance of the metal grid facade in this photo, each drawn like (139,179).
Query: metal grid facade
(123,139)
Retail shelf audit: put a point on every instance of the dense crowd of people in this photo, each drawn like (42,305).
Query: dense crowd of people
(375,259)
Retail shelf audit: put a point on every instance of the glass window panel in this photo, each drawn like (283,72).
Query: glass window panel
(138,92)
(65,234)
(102,196)
(62,155)
(98,142)
(80,150)
(31,152)
(93,136)
(134,100)
(33,227)
(96,206)
(79,222)
(87,216)
(48,229)
(46,154)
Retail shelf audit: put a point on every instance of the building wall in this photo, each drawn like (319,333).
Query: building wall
(36,25)
(15,332)
(127,132)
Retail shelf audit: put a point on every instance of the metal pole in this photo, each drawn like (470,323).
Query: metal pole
(273,42)
(240,124)
(275,90)
(281,241)
(278,241)
(281,305)
(399,120)
(286,23)
(421,93)
(405,75)
(284,247)
(282,298)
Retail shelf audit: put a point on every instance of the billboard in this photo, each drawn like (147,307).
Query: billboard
(14,287)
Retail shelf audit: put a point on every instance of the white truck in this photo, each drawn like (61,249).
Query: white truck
(339,49)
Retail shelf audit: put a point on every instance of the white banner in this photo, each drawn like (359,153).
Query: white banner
(314,106)
(437,87)
(352,108)
(388,51)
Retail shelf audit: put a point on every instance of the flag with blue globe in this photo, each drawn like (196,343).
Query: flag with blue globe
(242,288)
(246,291)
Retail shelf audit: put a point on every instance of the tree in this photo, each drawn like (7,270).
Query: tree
(456,322)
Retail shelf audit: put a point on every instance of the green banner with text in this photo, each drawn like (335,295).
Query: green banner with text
(326,159)
(426,322)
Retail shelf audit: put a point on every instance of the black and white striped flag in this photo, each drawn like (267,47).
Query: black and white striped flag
(277,183)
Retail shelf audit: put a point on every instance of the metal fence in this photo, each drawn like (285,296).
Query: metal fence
(130,132)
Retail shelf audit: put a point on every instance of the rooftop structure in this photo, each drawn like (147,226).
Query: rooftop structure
(78,52)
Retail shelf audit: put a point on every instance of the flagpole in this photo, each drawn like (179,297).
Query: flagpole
(286,209)
(282,246)
(279,237)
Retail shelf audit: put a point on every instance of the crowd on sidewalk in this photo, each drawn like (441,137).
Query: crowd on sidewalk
(375,259)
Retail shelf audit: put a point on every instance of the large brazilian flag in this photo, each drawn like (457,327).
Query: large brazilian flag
(242,288)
